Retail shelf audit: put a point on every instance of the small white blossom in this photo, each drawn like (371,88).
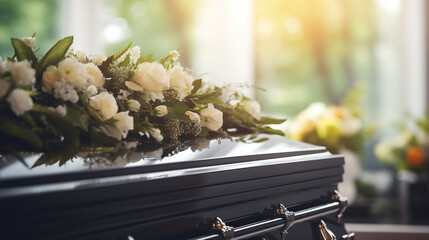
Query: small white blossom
(22,73)
(134,54)
(4,87)
(30,42)
(161,111)
(193,116)
(156,134)
(61,110)
(50,76)
(211,118)
(91,90)
(123,94)
(80,56)
(105,104)
(96,59)
(19,101)
(133,105)
(64,91)
(174,55)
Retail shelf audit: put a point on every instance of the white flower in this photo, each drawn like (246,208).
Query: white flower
(124,122)
(156,133)
(91,90)
(80,56)
(22,73)
(19,101)
(150,77)
(66,92)
(174,55)
(4,87)
(105,104)
(211,118)
(30,42)
(93,71)
(193,116)
(133,105)
(134,54)
(96,59)
(61,110)
(161,111)
(74,73)
(180,81)
(50,76)
(251,107)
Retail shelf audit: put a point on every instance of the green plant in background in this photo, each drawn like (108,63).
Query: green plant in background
(408,149)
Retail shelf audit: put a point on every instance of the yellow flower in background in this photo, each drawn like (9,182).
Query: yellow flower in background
(329,129)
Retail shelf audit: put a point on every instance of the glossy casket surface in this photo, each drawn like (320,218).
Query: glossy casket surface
(146,198)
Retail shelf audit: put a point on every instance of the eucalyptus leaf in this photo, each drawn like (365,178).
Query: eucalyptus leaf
(267,120)
(149,58)
(55,54)
(271,131)
(260,140)
(23,52)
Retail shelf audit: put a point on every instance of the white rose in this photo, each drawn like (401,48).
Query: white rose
(161,111)
(105,104)
(4,87)
(93,71)
(156,133)
(124,122)
(150,77)
(251,107)
(193,116)
(180,81)
(19,101)
(174,55)
(22,73)
(30,42)
(50,76)
(74,73)
(133,105)
(211,118)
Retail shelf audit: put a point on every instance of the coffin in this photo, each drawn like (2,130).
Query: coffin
(231,189)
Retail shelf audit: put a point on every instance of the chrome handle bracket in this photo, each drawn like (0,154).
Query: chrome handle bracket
(280,211)
(336,196)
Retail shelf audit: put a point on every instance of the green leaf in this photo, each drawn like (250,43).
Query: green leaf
(149,58)
(126,61)
(22,52)
(120,53)
(55,54)
(267,120)
(210,99)
(196,86)
(271,131)
(12,128)
(180,107)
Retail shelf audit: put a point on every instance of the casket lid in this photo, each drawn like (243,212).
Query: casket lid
(219,155)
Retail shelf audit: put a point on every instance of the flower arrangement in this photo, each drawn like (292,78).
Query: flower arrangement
(409,148)
(66,102)
(334,127)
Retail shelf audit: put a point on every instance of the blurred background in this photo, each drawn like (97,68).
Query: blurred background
(357,66)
